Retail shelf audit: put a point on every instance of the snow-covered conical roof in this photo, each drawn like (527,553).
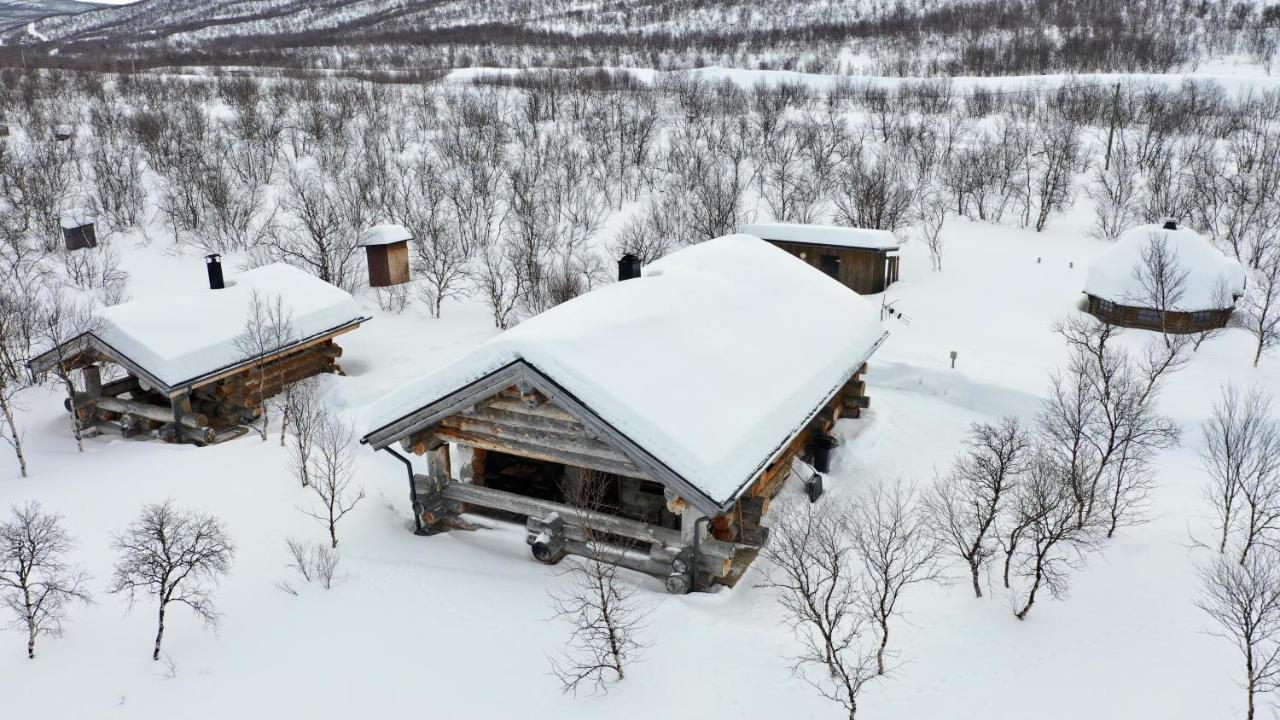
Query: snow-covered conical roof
(1213,280)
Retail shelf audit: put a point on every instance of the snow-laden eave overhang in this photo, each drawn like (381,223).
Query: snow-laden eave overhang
(50,358)
(836,246)
(521,370)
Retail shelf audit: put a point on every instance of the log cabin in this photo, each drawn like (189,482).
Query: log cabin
(179,367)
(865,261)
(649,422)
(1123,286)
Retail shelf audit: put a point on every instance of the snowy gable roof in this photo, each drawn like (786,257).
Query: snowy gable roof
(1213,280)
(385,235)
(712,360)
(182,337)
(855,238)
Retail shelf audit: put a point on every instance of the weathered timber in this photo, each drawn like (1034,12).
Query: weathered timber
(513,446)
(327,339)
(151,412)
(126,384)
(511,404)
(716,554)
(556,438)
(493,413)
(776,473)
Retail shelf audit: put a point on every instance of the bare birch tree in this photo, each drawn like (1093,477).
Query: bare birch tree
(1260,310)
(268,328)
(62,320)
(18,320)
(1243,599)
(1237,444)
(37,584)
(176,556)
(1054,541)
(603,612)
(897,550)
(963,505)
(331,471)
(307,414)
(812,556)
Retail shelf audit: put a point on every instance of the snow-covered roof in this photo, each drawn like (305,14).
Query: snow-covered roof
(1212,282)
(75,218)
(385,235)
(711,360)
(182,337)
(858,238)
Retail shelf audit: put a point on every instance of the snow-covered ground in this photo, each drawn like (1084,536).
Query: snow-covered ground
(458,625)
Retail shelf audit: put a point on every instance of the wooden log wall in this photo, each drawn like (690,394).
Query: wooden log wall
(742,524)
(524,424)
(230,400)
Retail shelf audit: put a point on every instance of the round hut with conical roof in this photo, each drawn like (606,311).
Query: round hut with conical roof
(1165,278)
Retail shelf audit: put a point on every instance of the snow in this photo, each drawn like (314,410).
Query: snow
(694,361)
(859,238)
(460,620)
(385,235)
(181,336)
(1212,279)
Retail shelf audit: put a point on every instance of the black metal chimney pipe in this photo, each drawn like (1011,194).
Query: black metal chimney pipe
(628,267)
(213,263)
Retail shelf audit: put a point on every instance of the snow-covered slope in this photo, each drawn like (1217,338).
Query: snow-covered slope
(460,622)
(15,13)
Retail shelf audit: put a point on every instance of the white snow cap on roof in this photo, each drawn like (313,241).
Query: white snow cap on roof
(385,235)
(182,336)
(858,238)
(1213,280)
(710,360)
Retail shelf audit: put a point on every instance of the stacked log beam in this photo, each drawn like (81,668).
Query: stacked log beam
(242,395)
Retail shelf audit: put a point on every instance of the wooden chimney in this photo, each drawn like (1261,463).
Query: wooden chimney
(386,249)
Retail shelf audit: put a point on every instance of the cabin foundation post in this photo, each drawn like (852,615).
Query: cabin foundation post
(181,404)
(92,376)
(466,463)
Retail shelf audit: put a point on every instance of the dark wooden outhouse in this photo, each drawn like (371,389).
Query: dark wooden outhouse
(386,249)
(78,233)
(865,261)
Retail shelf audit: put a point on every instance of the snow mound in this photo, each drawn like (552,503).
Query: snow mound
(183,336)
(857,238)
(713,358)
(1213,280)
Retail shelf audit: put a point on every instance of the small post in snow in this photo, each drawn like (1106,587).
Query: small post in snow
(953,359)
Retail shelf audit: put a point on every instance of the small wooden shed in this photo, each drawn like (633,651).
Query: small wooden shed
(1203,286)
(649,422)
(386,249)
(179,366)
(865,261)
(78,232)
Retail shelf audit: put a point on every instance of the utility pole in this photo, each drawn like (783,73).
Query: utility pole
(1115,118)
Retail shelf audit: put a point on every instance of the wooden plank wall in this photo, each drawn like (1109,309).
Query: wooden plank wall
(1173,322)
(863,271)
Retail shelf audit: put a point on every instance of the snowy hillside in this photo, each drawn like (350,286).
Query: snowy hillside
(522,190)
(979,37)
(14,13)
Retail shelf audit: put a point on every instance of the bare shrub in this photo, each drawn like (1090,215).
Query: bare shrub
(37,584)
(175,556)
(811,554)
